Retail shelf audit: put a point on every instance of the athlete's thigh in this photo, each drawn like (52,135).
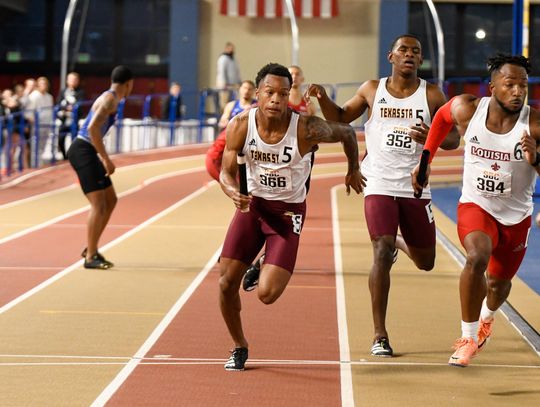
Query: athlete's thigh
(472,218)
(509,253)
(417,224)
(382,215)
(244,238)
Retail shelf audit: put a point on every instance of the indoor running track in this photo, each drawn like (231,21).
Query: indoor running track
(149,331)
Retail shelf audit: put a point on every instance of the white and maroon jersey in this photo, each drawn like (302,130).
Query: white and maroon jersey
(276,172)
(496,175)
(391,152)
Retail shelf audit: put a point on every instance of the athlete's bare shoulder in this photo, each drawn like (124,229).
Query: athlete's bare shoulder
(105,103)
(237,131)
(368,88)
(435,97)
(464,106)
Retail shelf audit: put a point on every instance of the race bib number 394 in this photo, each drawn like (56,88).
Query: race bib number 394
(492,183)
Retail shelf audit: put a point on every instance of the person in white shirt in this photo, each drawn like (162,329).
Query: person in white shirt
(41,100)
(277,144)
(400,108)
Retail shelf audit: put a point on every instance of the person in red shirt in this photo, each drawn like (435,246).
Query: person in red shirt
(297,102)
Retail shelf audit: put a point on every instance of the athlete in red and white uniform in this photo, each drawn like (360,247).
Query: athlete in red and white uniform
(277,144)
(494,212)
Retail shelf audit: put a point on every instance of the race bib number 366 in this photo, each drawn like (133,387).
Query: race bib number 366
(274,180)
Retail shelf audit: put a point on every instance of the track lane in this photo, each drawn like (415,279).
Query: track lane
(58,246)
(300,326)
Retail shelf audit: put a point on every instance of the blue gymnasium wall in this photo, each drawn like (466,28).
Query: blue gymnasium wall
(393,21)
(184,55)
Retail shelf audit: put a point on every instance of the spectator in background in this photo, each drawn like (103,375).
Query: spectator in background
(246,101)
(41,100)
(228,73)
(66,100)
(174,93)
(24,97)
(9,104)
(22,92)
(297,102)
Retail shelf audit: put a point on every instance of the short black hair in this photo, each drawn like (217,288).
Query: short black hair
(495,63)
(273,69)
(121,74)
(403,36)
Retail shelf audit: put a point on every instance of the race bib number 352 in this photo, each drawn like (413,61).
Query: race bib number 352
(398,141)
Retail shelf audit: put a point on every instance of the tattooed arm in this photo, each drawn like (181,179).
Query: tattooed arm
(104,107)
(314,130)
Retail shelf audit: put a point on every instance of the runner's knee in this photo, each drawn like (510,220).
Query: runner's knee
(228,285)
(268,296)
(477,260)
(383,253)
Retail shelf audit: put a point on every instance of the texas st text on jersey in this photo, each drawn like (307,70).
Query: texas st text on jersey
(266,157)
(396,113)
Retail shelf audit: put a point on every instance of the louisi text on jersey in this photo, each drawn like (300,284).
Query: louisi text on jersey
(391,152)
(83,131)
(496,175)
(276,171)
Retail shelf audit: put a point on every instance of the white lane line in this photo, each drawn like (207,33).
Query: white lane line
(347,397)
(114,242)
(60,218)
(75,185)
(40,171)
(121,377)
(257,362)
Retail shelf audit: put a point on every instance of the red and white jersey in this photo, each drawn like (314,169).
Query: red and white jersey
(276,172)
(391,152)
(496,175)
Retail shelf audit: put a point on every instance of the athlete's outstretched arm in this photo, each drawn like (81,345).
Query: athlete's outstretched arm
(236,136)
(351,110)
(317,130)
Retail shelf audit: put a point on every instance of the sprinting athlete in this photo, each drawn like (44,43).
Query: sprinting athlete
(400,109)
(501,162)
(277,143)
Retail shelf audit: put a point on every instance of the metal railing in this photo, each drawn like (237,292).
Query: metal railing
(139,127)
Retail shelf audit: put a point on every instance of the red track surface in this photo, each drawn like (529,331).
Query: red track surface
(50,250)
(301,325)
(62,175)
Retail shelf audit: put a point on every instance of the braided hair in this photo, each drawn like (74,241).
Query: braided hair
(495,63)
